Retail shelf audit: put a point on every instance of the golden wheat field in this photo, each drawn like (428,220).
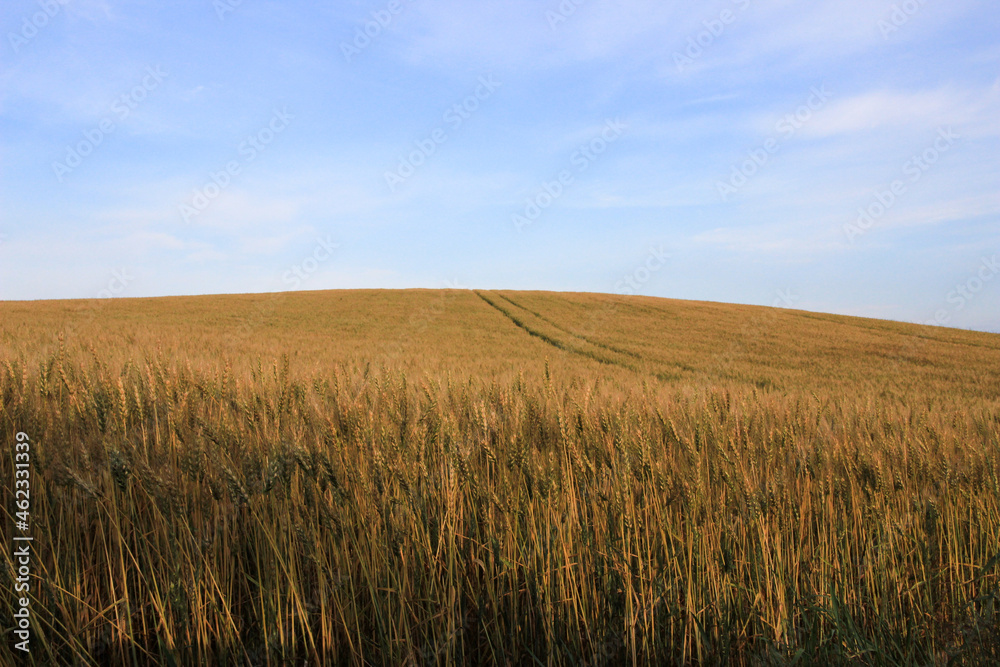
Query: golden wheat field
(423,477)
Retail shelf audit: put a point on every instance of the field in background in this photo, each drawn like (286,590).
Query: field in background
(434,477)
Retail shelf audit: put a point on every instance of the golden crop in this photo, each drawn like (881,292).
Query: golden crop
(437,477)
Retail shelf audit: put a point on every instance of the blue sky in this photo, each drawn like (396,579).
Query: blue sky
(833,156)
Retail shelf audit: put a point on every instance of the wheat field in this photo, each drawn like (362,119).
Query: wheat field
(423,477)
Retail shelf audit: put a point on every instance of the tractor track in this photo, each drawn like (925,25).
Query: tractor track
(554,342)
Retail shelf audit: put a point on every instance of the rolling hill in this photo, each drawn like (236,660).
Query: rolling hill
(495,332)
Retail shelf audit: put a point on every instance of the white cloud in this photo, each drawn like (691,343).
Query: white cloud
(269,244)
(236,209)
(206,255)
(888,110)
(940,212)
(517,33)
(143,242)
(773,238)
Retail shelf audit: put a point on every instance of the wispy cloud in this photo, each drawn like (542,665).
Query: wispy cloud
(882,110)
(565,68)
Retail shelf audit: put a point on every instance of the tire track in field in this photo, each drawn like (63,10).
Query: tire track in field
(554,342)
(595,343)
